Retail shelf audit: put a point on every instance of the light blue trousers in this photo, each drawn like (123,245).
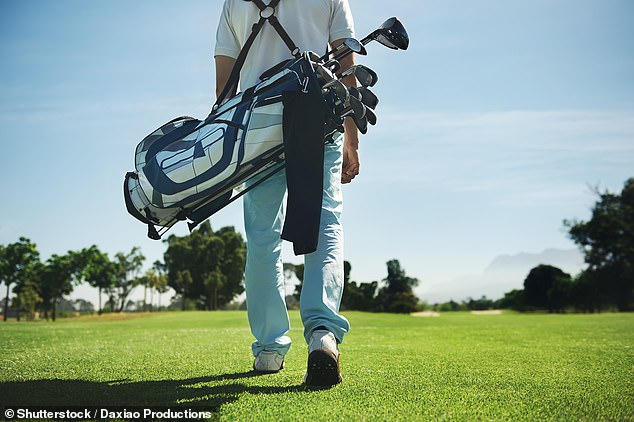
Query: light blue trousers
(323,269)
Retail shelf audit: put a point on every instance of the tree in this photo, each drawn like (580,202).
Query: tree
(397,295)
(206,266)
(359,297)
(83,306)
(99,271)
(182,284)
(481,304)
(160,282)
(607,241)
(128,267)
(146,280)
(58,277)
(298,271)
(231,264)
(153,279)
(17,261)
(586,292)
(546,287)
(27,298)
(513,300)
(177,258)
(289,270)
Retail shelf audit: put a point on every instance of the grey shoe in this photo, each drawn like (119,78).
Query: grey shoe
(268,362)
(323,360)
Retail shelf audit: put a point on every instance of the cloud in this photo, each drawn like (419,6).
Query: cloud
(537,154)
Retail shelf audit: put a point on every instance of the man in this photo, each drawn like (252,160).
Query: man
(312,25)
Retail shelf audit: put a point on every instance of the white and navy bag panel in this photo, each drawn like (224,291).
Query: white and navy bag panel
(187,161)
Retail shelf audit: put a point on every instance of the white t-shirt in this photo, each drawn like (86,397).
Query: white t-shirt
(311,24)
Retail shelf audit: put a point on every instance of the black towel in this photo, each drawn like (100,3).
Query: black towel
(304,120)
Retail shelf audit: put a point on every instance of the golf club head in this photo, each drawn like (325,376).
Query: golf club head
(324,74)
(371,116)
(391,34)
(337,88)
(314,57)
(354,46)
(333,65)
(354,92)
(365,75)
(361,123)
(351,44)
(368,98)
(358,109)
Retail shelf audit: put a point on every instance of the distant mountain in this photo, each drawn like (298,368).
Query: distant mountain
(569,260)
(503,274)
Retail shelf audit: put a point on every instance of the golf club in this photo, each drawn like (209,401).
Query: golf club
(354,46)
(314,57)
(365,75)
(368,97)
(338,89)
(356,106)
(391,34)
(332,65)
(356,111)
(371,116)
(351,43)
(354,92)
(324,74)
(368,112)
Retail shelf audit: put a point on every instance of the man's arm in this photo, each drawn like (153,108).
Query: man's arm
(351,164)
(224,65)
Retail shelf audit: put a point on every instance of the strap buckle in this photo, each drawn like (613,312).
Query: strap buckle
(267,12)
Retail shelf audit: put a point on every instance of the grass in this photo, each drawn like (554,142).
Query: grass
(395,367)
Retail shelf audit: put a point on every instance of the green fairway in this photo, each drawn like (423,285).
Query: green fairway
(458,366)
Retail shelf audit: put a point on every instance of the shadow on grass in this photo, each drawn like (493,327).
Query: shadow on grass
(192,393)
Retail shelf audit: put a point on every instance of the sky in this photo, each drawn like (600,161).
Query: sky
(496,124)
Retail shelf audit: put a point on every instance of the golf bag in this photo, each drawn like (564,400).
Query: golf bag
(188,168)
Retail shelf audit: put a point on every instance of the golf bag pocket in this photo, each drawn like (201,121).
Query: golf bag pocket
(264,130)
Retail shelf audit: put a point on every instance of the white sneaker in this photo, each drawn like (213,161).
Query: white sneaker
(268,361)
(323,360)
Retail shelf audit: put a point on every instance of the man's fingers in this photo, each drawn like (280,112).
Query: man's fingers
(350,173)
(350,168)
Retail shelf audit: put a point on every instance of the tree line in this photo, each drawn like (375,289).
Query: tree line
(41,286)
(205,269)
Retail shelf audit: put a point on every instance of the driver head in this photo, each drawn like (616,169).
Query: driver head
(392,34)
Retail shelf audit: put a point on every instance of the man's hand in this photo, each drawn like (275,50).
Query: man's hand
(350,168)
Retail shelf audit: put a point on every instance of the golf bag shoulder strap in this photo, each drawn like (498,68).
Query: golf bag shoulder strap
(267,13)
(276,24)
